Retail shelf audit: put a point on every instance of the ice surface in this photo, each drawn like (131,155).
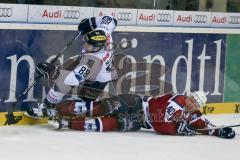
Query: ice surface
(42,142)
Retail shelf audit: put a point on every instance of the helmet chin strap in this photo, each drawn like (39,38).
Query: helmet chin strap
(93,51)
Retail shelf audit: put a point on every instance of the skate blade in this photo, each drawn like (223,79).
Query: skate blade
(54,124)
(30,116)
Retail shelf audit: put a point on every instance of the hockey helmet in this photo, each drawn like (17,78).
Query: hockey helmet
(200,97)
(96,38)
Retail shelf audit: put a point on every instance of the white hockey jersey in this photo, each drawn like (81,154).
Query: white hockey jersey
(96,66)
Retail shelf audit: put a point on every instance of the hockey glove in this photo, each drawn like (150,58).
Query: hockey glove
(87,25)
(126,124)
(184,129)
(47,70)
(227,133)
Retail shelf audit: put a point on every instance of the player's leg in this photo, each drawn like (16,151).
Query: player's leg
(126,109)
(54,96)
(110,106)
(45,109)
(99,124)
(129,113)
(74,109)
(129,103)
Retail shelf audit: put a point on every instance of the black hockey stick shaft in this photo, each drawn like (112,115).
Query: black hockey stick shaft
(67,46)
(25,92)
(218,127)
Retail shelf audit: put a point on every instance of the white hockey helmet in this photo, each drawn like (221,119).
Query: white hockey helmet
(200,97)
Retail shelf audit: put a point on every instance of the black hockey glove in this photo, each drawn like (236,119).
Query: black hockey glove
(184,129)
(87,25)
(47,70)
(227,133)
(126,124)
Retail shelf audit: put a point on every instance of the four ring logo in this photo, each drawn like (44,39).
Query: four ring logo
(163,17)
(234,20)
(71,14)
(124,16)
(199,18)
(6,12)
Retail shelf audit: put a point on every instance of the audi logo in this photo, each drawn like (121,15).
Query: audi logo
(199,18)
(124,16)
(71,14)
(6,12)
(234,20)
(163,17)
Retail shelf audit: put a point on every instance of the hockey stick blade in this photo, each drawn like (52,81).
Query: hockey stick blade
(218,127)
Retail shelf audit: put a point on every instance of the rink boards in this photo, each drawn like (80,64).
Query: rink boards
(206,60)
(212,108)
(18,119)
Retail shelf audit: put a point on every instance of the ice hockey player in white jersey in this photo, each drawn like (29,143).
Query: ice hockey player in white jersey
(87,74)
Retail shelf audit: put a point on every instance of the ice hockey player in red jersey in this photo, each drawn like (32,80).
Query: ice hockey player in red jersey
(180,115)
(168,114)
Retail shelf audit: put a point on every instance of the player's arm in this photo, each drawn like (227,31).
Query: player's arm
(47,70)
(176,114)
(88,69)
(89,24)
(197,121)
(183,128)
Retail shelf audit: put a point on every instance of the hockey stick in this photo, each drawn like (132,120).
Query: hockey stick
(67,46)
(51,62)
(218,127)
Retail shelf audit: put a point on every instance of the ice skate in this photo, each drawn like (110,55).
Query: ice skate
(58,123)
(40,112)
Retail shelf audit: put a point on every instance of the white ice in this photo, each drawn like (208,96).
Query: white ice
(42,142)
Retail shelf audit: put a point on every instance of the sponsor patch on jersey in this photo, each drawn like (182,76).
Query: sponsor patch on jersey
(99,38)
(79,76)
(106,20)
(90,63)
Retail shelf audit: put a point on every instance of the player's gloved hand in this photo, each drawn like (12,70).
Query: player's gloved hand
(47,70)
(86,25)
(227,133)
(184,129)
(126,124)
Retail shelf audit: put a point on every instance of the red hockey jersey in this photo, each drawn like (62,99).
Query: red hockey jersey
(166,111)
